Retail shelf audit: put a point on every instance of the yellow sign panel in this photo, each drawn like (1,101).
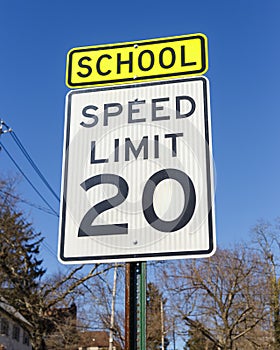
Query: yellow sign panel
(137,61)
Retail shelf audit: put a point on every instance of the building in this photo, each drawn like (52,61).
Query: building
(14,333)
(96,340)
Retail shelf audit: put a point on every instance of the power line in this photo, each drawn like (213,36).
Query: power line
(27,179)
(36,169)
(18,199)
(29,159)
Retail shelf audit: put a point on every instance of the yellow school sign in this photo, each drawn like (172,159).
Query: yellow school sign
(136,61)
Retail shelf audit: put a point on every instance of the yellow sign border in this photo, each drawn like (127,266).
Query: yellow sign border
(133,44)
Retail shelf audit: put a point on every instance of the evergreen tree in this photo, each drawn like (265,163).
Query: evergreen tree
(155,318)
(197,341)
(266,239)
(20,270)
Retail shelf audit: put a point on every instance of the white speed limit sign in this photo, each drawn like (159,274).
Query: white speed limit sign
(137,178)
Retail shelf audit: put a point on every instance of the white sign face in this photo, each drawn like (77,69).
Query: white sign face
(138,173)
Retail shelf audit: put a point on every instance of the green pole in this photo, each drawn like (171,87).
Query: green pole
(135,306)
(142,306)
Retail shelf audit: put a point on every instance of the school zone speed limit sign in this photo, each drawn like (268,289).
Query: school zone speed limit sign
(137,178)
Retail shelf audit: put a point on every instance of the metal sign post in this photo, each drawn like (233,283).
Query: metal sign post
(135,306)
(141,305)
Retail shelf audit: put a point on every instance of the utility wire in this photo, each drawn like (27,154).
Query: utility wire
(27,156)
(18,199)
(27,179)
(29,159)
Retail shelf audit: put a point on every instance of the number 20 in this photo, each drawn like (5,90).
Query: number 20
(87,229)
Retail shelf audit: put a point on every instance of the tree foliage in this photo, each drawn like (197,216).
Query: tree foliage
(21,270)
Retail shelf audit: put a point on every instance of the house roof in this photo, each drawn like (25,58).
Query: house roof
(96,338)
(12,312)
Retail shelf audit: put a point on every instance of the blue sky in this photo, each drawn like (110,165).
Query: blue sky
(244,56)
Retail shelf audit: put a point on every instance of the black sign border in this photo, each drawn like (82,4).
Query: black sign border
(142,256)
(140,43)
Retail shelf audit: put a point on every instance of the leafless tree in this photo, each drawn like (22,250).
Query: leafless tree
(102,297)
(266,239)
(223,297)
